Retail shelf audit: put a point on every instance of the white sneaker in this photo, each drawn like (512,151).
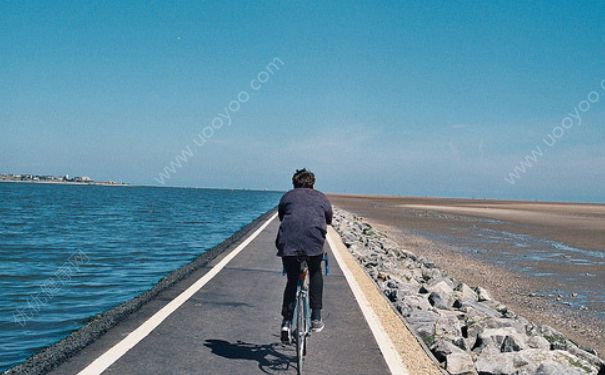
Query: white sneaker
(286,331)
(317,325)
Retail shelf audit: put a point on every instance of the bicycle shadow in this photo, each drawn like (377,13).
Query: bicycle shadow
(268,356)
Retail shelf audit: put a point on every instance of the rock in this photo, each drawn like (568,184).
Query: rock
(460,342)
(430,273)
(417,302)
(392,253)
(439,301)
(465,293)
(404,309)
(391,294)
(557,340)
(505,339)
(586,356)
(502,309)
(492,362)
(442,348)
(355,248)
(460,363)
(482,294)
(442,286)
(538,342)
(408,254)
(532,361)
(392,284)
(423,323)
(477,309)
(448,325)
(554,368)
(407,289)
(348,238)
(558,362)
(497,306)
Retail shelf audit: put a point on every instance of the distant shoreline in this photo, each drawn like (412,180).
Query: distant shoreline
(67,183)
(458,200)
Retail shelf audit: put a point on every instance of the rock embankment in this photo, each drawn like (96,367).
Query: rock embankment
(465,328)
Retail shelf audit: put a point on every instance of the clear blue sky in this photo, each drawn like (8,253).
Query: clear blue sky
(411,98)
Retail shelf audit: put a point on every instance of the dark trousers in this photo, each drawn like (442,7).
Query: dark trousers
(316,284)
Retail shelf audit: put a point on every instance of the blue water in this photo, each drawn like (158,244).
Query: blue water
(70,252)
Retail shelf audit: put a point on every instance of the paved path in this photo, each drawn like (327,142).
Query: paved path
(231,325)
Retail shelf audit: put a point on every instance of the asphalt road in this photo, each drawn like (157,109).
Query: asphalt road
(231,326)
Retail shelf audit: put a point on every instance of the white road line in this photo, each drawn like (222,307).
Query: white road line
(390,354)
(117,351)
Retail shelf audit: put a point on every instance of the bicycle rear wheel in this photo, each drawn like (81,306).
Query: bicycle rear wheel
(301,334)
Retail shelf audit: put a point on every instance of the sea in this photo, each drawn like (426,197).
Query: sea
(70,252)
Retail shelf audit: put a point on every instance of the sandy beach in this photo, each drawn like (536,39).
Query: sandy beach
(544,260)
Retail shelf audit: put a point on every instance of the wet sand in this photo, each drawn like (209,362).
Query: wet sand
(546,261)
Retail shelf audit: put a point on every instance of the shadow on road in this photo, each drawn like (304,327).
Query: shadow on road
(270,357)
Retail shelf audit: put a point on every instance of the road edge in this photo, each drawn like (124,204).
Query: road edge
(391,324)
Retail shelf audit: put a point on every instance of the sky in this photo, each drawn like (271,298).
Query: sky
(481,99)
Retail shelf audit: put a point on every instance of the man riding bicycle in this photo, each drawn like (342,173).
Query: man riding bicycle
(304,214)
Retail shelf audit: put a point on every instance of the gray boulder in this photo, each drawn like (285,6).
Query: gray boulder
(476,309)
(465,293)
(492,362)
(439,300)
(442,348)
(348,238)
(538,342)
(423,323)
(482,294)
(460,363)
(505,339)
(448,325)
(532,361)
(416,302)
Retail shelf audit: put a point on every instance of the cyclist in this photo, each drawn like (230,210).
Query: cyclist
(304,214)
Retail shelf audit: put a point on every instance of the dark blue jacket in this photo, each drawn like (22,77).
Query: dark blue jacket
(304,214)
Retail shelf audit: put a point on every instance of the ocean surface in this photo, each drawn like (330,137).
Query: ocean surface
(70,252)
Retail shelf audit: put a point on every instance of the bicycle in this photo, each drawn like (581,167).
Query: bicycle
(302,311)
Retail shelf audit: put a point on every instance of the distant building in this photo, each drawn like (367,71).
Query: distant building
(82,179)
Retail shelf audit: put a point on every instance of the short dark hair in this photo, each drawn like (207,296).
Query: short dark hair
(303,178)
